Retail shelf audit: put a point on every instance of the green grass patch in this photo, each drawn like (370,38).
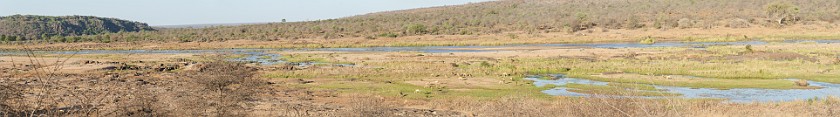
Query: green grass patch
(644,87)
(614,90)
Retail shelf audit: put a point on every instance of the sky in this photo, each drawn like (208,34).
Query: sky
(184,12)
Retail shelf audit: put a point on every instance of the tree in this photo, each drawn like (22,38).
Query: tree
(284,21)
(781,11)
(3,37)
(416,29)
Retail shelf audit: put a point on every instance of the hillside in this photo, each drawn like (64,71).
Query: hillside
(31,27)
(523,16)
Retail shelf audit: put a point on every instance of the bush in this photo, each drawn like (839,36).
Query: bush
(9,93)
(749,48)
(232,84)
(648,40)
(702,24)
(685,23)
(781,11)
(632,23)
(416,29)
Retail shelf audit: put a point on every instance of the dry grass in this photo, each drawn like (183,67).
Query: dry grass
(218,89)
(631,107)
(792,32)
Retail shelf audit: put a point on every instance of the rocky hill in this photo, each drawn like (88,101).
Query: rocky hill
(31,27)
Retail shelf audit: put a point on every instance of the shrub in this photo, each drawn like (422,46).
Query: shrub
(232,84)
(685,23)
(648,40)
(9,92)
(416,29)
(632,22)
(781,11)
(749,48)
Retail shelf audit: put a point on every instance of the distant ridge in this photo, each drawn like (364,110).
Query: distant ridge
(43,27)
(517,16)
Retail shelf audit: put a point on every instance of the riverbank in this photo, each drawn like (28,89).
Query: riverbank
(596,35)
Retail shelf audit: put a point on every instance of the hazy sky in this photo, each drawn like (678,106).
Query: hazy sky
(177,12)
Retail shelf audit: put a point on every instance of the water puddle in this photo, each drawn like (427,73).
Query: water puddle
(732,95)
(260,57)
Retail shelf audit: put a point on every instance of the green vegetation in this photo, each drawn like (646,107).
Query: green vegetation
(391,35)
(303,58)
(648,40)
(54,29)
(782,12)
(416,29)
(718,67)
(749,48)
(615,90)
(634,86)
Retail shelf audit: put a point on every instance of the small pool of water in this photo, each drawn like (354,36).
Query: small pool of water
(732,95)
(260,57)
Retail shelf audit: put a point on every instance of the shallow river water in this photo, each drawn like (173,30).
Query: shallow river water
(732,95)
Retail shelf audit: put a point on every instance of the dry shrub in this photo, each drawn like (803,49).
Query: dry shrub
(685,23)
(367,106)
(46,95)
(227,88)
(10,92)
(142,102)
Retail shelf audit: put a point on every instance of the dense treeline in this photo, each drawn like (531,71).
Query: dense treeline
(528,16)
(52,28)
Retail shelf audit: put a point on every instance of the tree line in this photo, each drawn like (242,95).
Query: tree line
(63,28)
